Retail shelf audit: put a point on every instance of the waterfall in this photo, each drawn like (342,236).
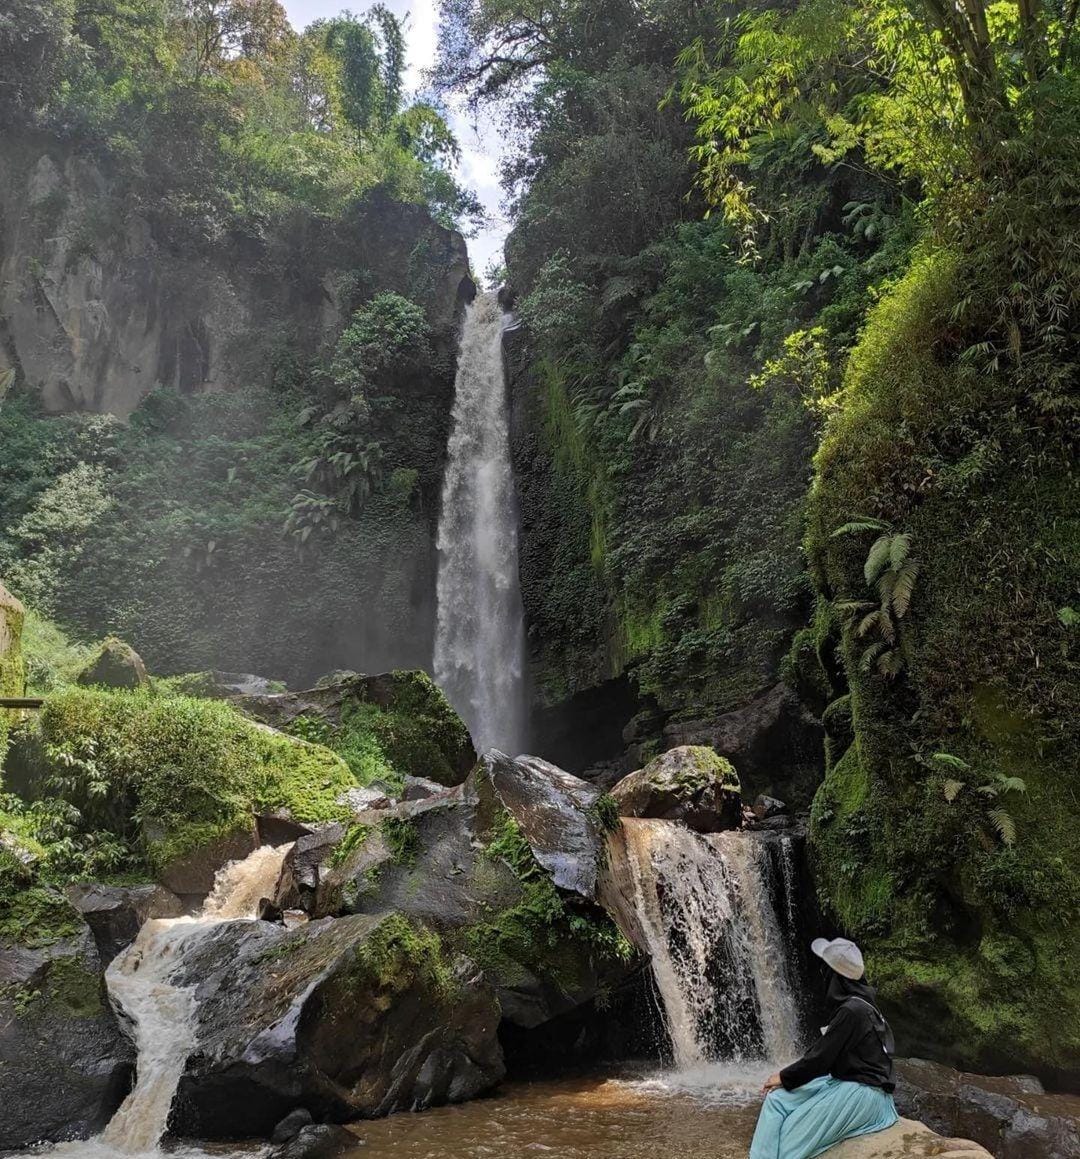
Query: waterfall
(712,912)
(162,1014)
(480,639)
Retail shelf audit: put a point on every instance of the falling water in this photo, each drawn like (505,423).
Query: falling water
(704,908)
(162,1014)
(480,640)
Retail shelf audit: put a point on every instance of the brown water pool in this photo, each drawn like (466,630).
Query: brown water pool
(709,1115)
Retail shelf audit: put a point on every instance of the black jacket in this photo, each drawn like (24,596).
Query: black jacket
(857,1045)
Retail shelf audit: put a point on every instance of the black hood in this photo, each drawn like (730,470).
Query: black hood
(841,988)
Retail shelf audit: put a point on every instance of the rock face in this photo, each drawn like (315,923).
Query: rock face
(774,741)
(1011,1116)
(95,322)
(65,1066)
(192,874)
(115,914)
(116,665)
(691,784)
(352,1017)
(418,730)
(906,1140)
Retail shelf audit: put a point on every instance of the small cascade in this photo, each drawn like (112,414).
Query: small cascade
(163,1015)
(480,637)
(712,913)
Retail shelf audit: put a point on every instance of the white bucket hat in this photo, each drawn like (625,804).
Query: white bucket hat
(843,956)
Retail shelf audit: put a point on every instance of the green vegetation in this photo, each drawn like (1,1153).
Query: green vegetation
(835,245)
(399,951)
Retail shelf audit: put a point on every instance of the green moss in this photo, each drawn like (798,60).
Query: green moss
(167,774)
(74,989)
(353,840)
(604,813)
(398,951)
(402,839)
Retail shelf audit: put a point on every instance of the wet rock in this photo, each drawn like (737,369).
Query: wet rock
(424,737)
(765,807)
(351,1017)
(360,799)
(552,808)
(116,665)
(318,1141)
(192,874)
(1010,1115)
(115,914)
(691,784)
(906,1140)
(291,1125)
(419,788)
(65,1065)
(439,860)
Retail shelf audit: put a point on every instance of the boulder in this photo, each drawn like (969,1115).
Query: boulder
(414,724)
(317,1141)
(1011,1115)
(352,1017)
(65,1065)
(906,1140)
(115,665)
(417,788)
(691,784)
(291,1125)
(472,862)
(192,874)
(115,914)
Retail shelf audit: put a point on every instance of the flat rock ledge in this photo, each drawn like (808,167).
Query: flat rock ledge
(906,1140)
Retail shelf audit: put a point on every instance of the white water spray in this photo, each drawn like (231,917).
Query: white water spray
(162,1014)
(480,639)
(704,906)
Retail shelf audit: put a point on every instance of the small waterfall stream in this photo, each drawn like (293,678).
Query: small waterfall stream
(163,1015)
(713,912)
(480,639)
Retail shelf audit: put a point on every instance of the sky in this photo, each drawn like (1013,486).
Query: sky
(479,144)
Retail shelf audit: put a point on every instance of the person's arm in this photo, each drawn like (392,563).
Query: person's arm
(819,1059)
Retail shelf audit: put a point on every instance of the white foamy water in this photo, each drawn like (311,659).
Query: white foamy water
(162,1014)
(480,638)
(705,909)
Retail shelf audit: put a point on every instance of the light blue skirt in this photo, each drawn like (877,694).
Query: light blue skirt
(807,1121)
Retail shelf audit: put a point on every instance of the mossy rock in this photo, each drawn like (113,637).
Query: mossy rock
(116,665)
(691,783)
(12,669)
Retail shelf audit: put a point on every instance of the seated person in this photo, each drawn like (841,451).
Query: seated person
(842,1087)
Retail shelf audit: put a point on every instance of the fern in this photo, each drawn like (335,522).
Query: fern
(877,558)
(861,523)
(951,761)
(952,789)
(899,547)
(903,588)
(1003,824)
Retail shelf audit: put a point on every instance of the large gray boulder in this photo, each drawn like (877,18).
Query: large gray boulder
(504,865)
(65,1065)
(349,1018)
(691,784)
(1009,1115)
(115,665)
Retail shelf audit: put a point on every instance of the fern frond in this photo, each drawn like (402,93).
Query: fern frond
(950,761)
(988,790)
(867,623)
(1013,785)
(1003,824)
(853,607)
(899,548)
(890,664)
(870,655)
(877,557)
(861,523)
(903,587)
(952,789)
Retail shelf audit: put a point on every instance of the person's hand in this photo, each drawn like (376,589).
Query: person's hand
(772,1083)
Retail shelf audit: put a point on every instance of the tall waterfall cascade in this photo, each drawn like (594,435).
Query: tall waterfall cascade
(161,1013)
(480,638)
(716,914)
